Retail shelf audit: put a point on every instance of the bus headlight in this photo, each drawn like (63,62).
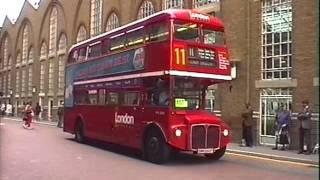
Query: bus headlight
(178,132)
(225,132)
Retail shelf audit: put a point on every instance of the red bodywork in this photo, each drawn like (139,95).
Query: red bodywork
(99,120)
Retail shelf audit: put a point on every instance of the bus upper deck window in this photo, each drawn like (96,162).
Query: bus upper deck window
(158,32)
(82,54)
(135,36)
(75,56)
(94,50)
(117,42)
(213,37)
(186,31)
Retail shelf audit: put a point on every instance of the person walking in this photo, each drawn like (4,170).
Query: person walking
(60,116)
(9,109)
(28,113)
(247,124)
(283,118)
(37,111)
(304,118)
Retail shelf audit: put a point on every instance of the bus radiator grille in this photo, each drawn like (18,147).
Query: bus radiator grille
(205,137)
(198,137)
(213,137)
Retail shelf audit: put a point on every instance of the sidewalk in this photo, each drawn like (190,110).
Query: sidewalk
(255,151)
(13,118)
(267,152)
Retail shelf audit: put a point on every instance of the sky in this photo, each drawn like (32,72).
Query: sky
(11,8)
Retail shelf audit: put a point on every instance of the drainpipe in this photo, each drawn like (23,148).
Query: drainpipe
(248,53)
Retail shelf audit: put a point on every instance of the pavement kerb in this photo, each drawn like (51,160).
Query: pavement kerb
(35,122)
(274,157)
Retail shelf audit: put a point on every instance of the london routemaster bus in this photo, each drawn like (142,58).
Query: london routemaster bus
(144,85)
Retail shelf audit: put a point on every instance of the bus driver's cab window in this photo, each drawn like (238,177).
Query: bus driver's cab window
(158,93)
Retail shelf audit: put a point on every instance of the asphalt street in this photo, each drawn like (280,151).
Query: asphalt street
(46,153)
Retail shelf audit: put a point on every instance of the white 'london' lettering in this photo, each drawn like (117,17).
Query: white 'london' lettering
(124,119)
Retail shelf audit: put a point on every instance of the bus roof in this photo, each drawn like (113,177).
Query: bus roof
(181,14)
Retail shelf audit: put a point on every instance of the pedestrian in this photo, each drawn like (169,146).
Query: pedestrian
(282,120)
(27,117)
(37,111)
(304,118)
(60,116)
(247,124)
(3,108)
(9,110)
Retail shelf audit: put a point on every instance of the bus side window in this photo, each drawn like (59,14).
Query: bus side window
(81,97)
(131,98)
(94,50)
(82,54)
(112,98)
(158,32)
(74,56)
(92,97)
(135,37)
(102,96)
(105,47)
(117,42)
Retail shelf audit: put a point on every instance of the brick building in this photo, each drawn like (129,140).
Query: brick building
(273,45)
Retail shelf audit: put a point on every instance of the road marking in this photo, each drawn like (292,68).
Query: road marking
(275,160)
(34,161)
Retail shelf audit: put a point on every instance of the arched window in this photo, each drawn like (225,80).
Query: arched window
(112,22)
(18,59)
(9,81)
(61,67)
(30,76)
(82,34)
(9,62)
(43,51)
(25,42)
(167,4)
(199,3)
(146,9)
(30,55)
(51,76)
(62,44)
(42,74)
(23,81)
(5,53)
(53,26)
(18,79)
(4,85)
(95,17)
(61,61)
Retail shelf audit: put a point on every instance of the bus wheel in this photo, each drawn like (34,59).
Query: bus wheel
(155,148)
(217,154)
(79,137)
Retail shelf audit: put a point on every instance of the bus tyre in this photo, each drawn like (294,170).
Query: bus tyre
(217,154)
(79,135)
(156,150)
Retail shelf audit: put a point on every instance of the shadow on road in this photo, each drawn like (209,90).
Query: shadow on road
(177,158)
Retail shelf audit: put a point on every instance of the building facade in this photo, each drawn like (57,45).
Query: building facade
(273,47)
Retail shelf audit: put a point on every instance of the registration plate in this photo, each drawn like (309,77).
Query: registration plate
(204,151)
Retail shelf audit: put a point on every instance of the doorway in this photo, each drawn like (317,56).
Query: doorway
(270,101)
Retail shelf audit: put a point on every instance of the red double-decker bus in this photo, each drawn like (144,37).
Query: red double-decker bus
(144,85)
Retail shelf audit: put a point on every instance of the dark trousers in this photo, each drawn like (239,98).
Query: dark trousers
(247,135)
(304,136)
(59,121)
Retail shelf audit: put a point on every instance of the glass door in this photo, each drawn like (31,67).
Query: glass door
(270,101)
